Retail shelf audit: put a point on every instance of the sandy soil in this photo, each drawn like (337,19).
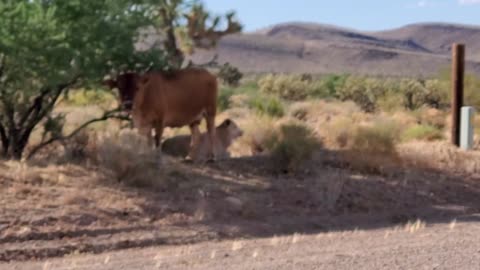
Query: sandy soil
(66,210)
(416,246)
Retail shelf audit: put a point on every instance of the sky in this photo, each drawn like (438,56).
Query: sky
(366,15)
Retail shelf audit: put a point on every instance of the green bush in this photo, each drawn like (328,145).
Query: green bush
(326,87)
(288,87)
(223,100)
(365,92)
(291,146)
(422,132)
(225,94)
(267,105)
(471,86)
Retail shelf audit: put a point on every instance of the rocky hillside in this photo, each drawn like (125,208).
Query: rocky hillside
(413,50)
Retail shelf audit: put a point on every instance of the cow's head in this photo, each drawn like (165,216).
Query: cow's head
(127,87)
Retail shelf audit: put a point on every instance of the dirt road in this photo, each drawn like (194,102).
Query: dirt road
(454,245)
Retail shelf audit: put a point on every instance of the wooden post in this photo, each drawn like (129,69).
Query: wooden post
(458,70)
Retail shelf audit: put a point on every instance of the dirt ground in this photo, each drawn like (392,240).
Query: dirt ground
(78,210)
(417,246)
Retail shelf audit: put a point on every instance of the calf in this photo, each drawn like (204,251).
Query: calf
(225,134)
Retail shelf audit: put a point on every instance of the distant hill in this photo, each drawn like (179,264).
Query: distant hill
(413,50)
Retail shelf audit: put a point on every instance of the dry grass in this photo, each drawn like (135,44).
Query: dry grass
(292,146)
(413,227)
(431,117)
(128,158)
(422,133)
(367,142)
(372,149)
(439,156)
(257,130)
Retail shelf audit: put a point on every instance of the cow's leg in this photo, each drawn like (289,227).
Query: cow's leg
(147,133)
(194,140)
(158,141)
(210,118)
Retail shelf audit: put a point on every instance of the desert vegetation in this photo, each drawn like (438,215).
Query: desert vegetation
(313,144)
(291,118)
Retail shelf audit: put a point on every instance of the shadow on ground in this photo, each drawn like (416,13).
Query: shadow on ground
(237,198)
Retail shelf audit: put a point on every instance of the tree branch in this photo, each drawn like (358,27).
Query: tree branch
(38,101)
(171,40)
(38,111)
(212,63)
(107,115)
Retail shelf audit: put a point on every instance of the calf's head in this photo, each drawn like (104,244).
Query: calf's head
(228,131)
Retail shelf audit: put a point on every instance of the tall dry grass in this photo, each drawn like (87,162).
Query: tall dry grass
(128,159)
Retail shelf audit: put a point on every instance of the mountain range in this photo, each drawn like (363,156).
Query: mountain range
(416,50)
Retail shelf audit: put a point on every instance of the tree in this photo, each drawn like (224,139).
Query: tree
(48,47)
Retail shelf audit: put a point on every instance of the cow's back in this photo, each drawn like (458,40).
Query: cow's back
(180,98)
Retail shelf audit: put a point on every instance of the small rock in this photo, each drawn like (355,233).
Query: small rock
(236,203)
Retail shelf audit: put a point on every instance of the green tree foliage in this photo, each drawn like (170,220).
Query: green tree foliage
(230,75)
(48,47)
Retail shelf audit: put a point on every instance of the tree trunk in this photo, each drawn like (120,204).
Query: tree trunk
(16,147)
(5,142)
(15,151)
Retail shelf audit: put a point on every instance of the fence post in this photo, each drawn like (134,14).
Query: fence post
(458,70)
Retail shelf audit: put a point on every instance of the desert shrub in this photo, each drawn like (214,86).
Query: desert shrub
(299,110)
(471,86)
(363,91)
(76,148)
(230,75)
(306,77)
(291,146)
(422,132)
(267,105)
(249,87)
(327,87)
(339,132)
(128,158)
(373,149)
(390,102)
(257,132)
(419,93)
(380,138)
(436,94)
(289,87)
(430,117)
(472,93)
(223,100)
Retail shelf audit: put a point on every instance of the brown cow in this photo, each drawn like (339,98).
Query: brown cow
(157,100)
